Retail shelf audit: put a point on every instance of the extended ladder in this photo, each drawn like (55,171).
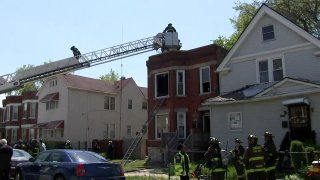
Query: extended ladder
(141,133)
(15,80)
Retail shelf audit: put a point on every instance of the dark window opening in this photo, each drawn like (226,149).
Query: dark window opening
(162,85)
(268,32)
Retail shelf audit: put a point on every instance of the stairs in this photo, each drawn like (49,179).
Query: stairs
(141,133)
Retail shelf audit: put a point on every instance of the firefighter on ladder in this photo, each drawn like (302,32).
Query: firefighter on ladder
(214,159)
(253,159)
(181,163)
(237,153)
(271,156)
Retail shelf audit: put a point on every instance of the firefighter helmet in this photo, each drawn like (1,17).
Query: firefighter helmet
(237,140)
(268,134)
(214,140)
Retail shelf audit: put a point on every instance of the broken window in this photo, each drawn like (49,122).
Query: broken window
(162,85)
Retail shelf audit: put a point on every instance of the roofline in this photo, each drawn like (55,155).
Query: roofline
(261,98)
(264,9)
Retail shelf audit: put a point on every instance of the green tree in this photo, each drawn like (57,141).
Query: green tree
(304,13)
(112,76)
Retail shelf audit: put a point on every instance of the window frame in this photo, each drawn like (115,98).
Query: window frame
(184,120)
(109,104)
(156,84)
(33,112)
(270,72)
(130,103)
(156,124)
(269,32)
(179,83)
(201,80)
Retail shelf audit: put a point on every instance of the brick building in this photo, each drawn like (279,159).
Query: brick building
(178,82)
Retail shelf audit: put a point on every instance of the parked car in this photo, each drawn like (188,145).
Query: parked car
(18,156)
(65,164)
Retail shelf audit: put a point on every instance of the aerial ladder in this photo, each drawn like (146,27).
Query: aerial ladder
(164,41)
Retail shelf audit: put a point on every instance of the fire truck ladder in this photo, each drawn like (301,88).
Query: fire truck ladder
(141,133)
(10,82)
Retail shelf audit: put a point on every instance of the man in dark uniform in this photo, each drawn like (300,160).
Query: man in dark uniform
(5,160)
(237,153)
(169,28)
(214,159)
(253,159)
(76,52)
(271,156)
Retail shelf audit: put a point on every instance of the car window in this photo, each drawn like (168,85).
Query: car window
(82,156)
(58,157)
(42,156)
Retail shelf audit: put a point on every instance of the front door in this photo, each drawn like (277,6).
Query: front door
(206,123)
(299,121)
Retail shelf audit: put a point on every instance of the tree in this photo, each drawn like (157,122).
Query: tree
(112,76)
(304,13)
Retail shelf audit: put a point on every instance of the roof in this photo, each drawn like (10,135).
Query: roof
(51,125)
(144,91)
(265,10)
(50,97)
(258,90)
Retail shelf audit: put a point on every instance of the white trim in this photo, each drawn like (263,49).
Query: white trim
(13,104)
(284,50)
(12,127)
(183,82)
(274,33)
(295,101)
(156,122)
(260,14)
(27,125)
(30,101)
(270,67)
(183,123)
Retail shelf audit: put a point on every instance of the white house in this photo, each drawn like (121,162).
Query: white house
(82,109)
(269,81)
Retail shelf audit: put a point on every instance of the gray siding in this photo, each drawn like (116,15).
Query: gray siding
(284,37)
(258,117)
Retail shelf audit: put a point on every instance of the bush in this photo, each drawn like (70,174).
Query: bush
(297,155)
(309,154)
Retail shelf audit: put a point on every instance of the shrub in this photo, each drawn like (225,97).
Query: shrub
(297,155)
(309,154)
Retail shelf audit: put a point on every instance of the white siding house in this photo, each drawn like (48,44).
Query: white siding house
(83,109)
(269,81)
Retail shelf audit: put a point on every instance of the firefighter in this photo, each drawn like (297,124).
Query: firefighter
(169,28)
(68,145)
(237,153)
(253,159)
(214,159)
(76,52)
(181,163)
(271,156)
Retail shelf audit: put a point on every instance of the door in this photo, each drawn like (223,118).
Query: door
(181,124)
(206,123)
(299,122)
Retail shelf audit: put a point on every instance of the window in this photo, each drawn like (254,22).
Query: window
(109,103)
(298,115)
(8,113)
(52,105)
(128,131)
(53,83)
(181,124)
(162,125)
(14,112)
(235,121)
(33,109)
(25,110)
(162,85)
(14,135)
(110,131)
(267,32)
(24,133)
(180,83)
(129,103)
(270,70)
(144,105)
(205,80)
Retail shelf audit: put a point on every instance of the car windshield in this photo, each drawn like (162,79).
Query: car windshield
(19,153)
(82,156)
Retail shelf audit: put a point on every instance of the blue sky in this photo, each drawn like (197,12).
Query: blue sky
(36,31)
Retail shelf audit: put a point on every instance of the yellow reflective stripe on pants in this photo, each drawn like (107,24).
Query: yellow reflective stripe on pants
(255,170)
(270,168)
(218,170)
(256,158)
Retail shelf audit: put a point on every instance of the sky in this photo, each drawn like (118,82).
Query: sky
(37,31)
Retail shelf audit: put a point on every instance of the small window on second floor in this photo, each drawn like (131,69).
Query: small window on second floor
(162,84)
(25,110)
(15,112)
(33,110)
(267,33)
(144,105)
(180,83)
(129,103)
(109,103)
